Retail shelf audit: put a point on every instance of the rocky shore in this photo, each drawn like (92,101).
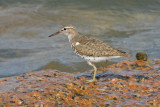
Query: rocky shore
(128,83)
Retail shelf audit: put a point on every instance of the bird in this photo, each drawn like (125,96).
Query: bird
(90,49)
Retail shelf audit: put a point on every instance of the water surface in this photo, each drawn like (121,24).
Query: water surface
(131,26)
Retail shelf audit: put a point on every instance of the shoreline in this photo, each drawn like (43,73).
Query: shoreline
(128,83)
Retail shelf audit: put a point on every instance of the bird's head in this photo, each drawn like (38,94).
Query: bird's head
(68,30)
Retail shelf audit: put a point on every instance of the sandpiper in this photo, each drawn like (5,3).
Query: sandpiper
(90,49)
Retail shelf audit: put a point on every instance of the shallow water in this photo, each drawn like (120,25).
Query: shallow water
(131,26)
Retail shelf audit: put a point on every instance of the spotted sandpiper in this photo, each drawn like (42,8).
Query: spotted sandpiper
(90,49)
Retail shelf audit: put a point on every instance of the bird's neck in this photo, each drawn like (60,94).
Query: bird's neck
(72,36)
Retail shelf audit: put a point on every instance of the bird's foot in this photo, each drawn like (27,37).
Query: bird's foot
(92,80)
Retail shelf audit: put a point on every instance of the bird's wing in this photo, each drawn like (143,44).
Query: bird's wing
(94,47)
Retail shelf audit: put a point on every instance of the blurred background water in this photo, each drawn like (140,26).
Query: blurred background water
(129,25)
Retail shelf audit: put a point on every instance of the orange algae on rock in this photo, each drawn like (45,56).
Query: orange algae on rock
(128,83)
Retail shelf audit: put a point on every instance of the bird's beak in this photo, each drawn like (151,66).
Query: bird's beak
(54,34)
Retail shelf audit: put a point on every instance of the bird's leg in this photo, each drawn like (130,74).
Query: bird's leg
(95,70)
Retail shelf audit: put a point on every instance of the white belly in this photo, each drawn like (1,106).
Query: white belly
(94,59)
(98,59)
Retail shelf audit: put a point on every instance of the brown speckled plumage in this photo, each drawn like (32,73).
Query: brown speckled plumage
(94,47)
(90,49)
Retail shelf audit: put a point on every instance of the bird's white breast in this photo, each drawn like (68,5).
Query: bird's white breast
(77,43)
(93,58)
(98,59)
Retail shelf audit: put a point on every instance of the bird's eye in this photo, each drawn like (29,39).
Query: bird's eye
(64,28)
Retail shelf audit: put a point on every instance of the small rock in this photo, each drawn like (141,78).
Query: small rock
(141,56)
